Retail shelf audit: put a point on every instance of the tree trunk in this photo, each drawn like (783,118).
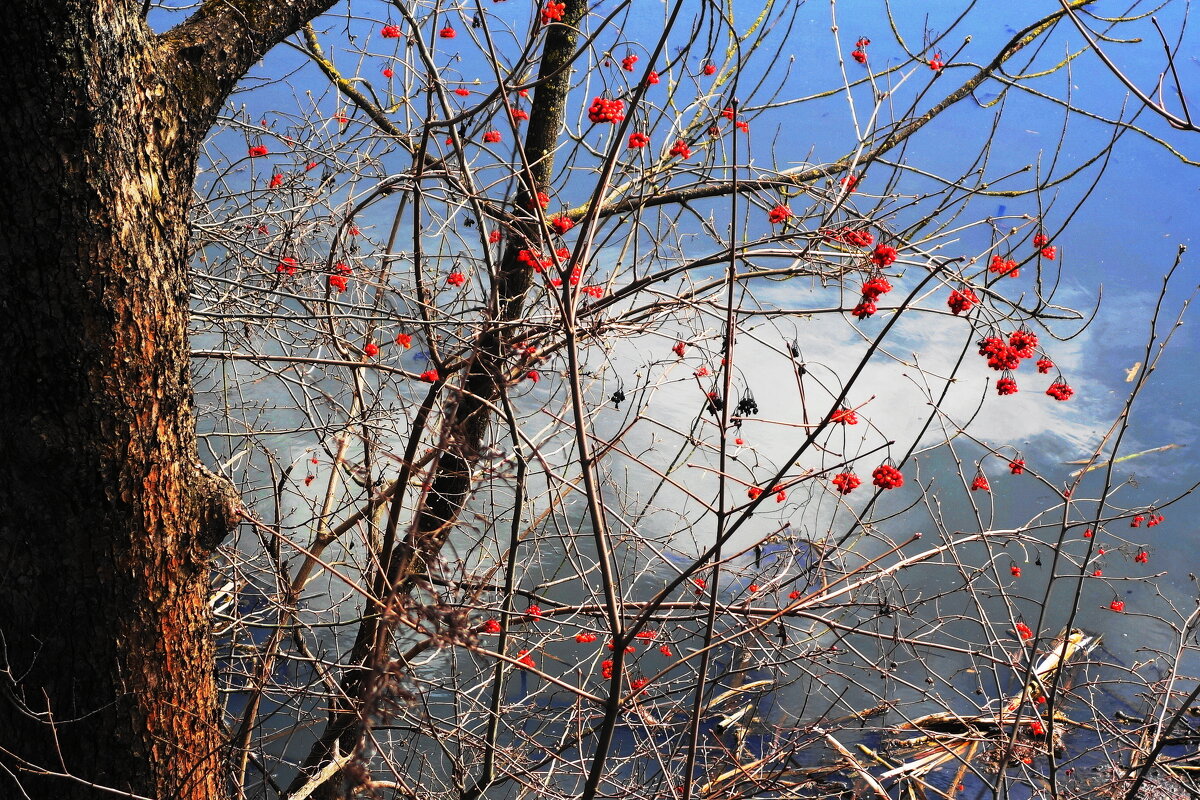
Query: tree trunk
(106,517)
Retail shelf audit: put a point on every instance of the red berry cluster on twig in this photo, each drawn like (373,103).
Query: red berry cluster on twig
(886,476)
(604,109)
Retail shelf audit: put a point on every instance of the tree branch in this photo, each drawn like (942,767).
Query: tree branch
(209,52)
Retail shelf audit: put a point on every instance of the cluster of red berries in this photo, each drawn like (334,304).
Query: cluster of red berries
(1005,385)
(462,91)
(845,416)
(961,300)
(1117,605)
(846,482)
(1004,266)
(1042,241)
(1024,631)
(339,279)
(429,376)
(871,291)
(1017,466)
(287,265)
(276,181)
(258,150)
(1154,519)
(371,349)
(519,115)
(638,140)
(594,291)
(525,660)
(491,137)
(456,278)
(778,214)
(709,68)
(534,260)
(491,626)
(447,33)
(858,238)
(859,53)
(936,63)
(628,61)
(585,637)
(886,476)
(850,181)
(883,256)
(1015,571)
(562,224)
(1142,557)
(679,348)
(388,72)
(552,12)
(542,200)
(1060,391)
(681,149)
(604,109)
(652,78)
(980,484)
(390,32)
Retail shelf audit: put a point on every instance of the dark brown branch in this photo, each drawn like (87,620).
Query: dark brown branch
(209,52)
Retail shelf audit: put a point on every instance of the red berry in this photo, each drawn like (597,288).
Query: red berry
(961,300)
(1060,391)
(608,110)
(1015,570)
(886,476)
(1117,605)
(864,309)
(883,255)
(846,482)
(371,349)
(681,149)
(845,416)
(778,214)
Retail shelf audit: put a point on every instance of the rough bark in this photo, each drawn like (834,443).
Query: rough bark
(107,518)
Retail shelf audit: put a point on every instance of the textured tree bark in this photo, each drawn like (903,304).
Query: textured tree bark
(107,518)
